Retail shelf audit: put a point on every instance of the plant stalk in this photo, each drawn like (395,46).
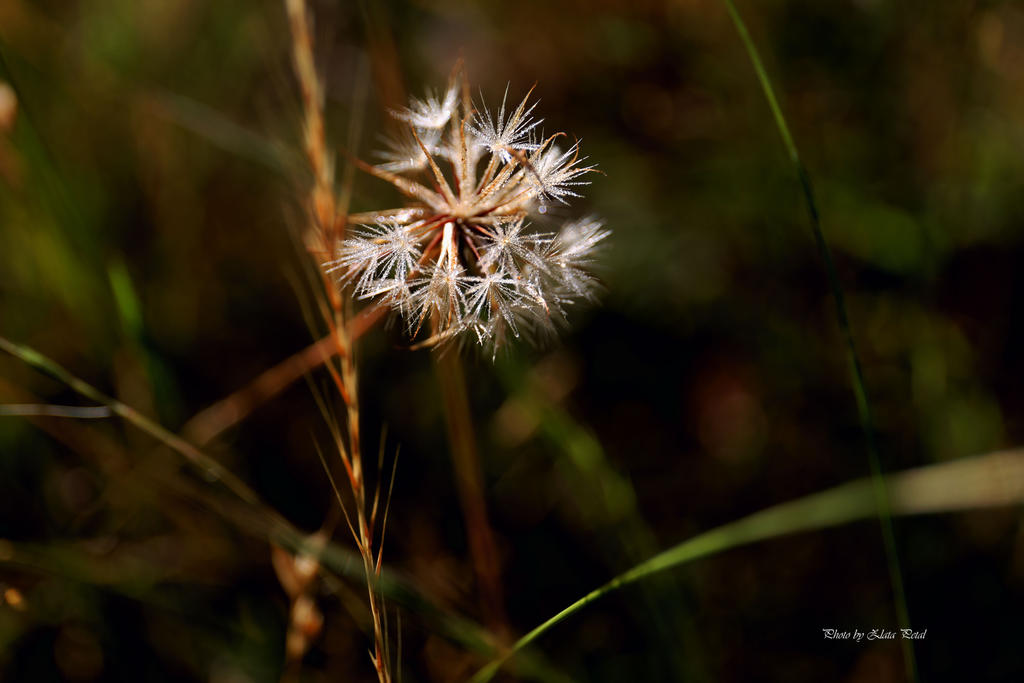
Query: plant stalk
(853,358)
(469,482)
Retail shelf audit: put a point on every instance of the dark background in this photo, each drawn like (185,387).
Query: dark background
(150,194)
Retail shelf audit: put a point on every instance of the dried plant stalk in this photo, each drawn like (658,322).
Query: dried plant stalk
(321,237)
(469,482)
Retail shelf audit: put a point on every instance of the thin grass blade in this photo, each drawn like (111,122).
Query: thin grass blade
(985,481)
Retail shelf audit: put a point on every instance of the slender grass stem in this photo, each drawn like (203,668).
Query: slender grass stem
(213,420)
(842,317)
(469,482)
(322,237)
(207,465)
(259,521)
(984,481)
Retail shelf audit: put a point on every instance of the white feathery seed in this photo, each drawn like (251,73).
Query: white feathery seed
(431,112)
(503,136)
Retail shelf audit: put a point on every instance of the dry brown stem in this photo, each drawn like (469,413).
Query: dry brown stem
(212,421)
(324,231)
(469,482)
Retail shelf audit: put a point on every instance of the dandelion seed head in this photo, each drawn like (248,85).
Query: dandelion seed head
(463,262)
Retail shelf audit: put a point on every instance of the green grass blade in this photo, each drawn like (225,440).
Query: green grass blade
(992,480)
(259,520)
(219,130)
(856,370)
(612,516)
(207,465)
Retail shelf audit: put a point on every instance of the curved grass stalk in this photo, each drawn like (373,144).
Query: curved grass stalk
(856,371)
(614,518)
(992,480)
(257,519)
(209,467)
